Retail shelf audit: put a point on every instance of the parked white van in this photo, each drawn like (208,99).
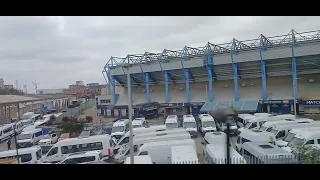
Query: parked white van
(29,138)
(243,119)
(27,122)
(141,130)
(207,124)
(265,153)
(184,154)
(18,127)
(150,134)
(120,128)
(280,131)
(139,160)
(139,123)
(257,122)
(62,149)
(303,137)
(161,151)
(120,157)
(214,154)
(268,125)
(171,122)
(254,135)
(6,131)
(31,155)
(216,138)
(189,123)
(291,134)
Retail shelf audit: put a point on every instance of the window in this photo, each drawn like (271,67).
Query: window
(39,154)
(261,123)
(238,140)
(54,135)
(87,159)
(69,149)
(105,101)
(310,142)
(143,153)
(53,151)
(245,152)
(135,148)
(253,125)
(206,142)
(244,140)
(127,127)
(318,141)
(26,158)
(38,133)
(0,133)
(81,147)
(124,141)
(7,130)
(240,120)
(71,161)
(280,134)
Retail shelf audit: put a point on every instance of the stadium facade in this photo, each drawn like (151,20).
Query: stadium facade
(264,74)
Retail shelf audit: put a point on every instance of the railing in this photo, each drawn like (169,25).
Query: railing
(285,159)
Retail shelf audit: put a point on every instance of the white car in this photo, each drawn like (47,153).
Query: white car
(49,139)
(83,158)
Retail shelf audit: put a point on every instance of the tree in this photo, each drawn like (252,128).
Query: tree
(89,119)
(71,125)
(308,154)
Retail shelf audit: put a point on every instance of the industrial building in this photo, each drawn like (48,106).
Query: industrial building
(9,104)
(265,74)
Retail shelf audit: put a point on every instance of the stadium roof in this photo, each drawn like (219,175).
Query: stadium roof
(211,49)
(247,106)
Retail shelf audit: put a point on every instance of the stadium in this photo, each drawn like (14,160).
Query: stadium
(266,74)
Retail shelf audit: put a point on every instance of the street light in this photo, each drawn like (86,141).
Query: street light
(130,113)
(225,115)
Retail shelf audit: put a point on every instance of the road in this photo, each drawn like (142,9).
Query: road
(4,147)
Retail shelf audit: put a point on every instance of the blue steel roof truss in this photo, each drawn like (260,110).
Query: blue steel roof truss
(235,45)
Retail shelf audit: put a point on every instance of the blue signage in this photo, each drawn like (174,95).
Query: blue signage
(311,103)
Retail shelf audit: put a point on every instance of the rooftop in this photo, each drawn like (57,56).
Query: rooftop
(15,98)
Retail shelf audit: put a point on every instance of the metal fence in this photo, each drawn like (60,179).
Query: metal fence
(76,111)
(287,159)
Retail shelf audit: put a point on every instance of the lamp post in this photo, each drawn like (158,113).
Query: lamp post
(295,93)
(225,115)
(130,114)
(206,91)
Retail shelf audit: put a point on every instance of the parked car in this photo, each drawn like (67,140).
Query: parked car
(49,138)
(64,136)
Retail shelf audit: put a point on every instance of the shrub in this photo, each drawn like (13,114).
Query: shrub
(89,119)
(308,154)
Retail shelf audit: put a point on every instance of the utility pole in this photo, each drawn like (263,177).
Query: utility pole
(15,135)
(35,86)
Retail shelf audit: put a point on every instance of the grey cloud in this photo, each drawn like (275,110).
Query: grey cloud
(56,51)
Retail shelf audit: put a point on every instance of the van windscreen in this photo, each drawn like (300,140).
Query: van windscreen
(24,136)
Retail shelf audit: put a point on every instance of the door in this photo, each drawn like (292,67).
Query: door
(196,110)
(286,109)
(275,108)
(53,155)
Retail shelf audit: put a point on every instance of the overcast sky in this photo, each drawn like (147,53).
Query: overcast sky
(57,51)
